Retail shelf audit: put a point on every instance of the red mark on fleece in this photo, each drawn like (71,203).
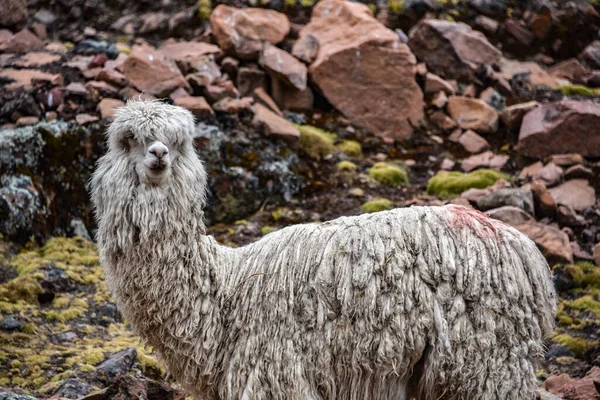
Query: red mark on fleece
(477,221)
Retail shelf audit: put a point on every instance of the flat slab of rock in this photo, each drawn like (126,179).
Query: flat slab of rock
(473,114)
(356,60)
(552,242)
(284,66)
(530,71)
(452,50)
(512,116)
(516,197)
(242,32)
(274,125)
(23,78)
(107,107)
(22,42)
(196,104)
(192,54)
(510,215)
(150,71)
(472,142)
(567,126)
(487,159)
(576,193)
(233,106)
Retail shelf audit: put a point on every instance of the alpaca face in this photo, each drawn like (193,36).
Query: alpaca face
(152,158)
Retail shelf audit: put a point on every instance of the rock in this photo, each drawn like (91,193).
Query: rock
(442,121)
(530,72)
(306,48)
(104,88)
(493,98)
(567,216)
(193,56)
(54,281)
(591,54)
(129,387)
(487,159)
(22,42)
(552,242)
(52,99)
(233,106)
(550,174)
(473,114)
(35,59)
(289,98)
(556,350)
(116,365)
(84,119)
(78,228)
(13,396)
(284,66)
(90,46)
(434,84)
(249,78)
(522,198)
(14,12)
(112,76)
(566,160)
(571,70)
(447,164)
(510,215)
(596,254)
(520,33)
(220,90)
(486,24)
(66,337)
(98,61)
(440,100)
(197,105)
(45,17)
(545,205)
(107,107)
(452,50)
(579,389)
(27,121)
(153,21)
(77,88)
(356,61)
(576,193)
(578,172)
(25,78)
(230,66)
(241,32)
(21,207)
(72,389)
(555,382)
(9,324)
(145,64)
(560,127)
(512,116)
(262,97)
(472,142)
(274,125)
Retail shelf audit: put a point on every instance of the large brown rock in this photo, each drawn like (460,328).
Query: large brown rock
(452,50)
(566,126)
(149,70)
(13,12)
(284,66)
(531,72)
(242,32)
(576,193)
(473,114)
(191,55)
(552,242)
(24,78)
(22,42)
(273,125)
(364,70)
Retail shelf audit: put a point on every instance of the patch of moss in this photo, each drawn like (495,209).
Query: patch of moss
(25,288)
(4,381)
(376,205)
(395,6)
(346,166)
(578,90)
(289,3)
(585,303)
(204,9)
(577,345)
(450,184)
(585,274)
(72,251)
(388,174)
(351,147)
(307,3)
(265,230)
(315,142)
(87,368)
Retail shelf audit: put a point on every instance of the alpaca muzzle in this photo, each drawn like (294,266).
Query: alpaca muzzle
(157,157)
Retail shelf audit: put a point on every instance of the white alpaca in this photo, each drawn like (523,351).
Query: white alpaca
(424,302)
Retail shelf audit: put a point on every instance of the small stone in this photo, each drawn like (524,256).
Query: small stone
(571,70)
(107,107)
(545,205)
(512,116)
(25,78)
(9,324)
(591,54)
(576,193)
(84,119)
(306,48)
(197,105)
(553,243)
(567,216)
(519,32)
(102,87)
(486,24)
(112,76)
(510,215)
(116,365)
(596,254)
(274,125)
(45,17)
(440,99)
(566,160)
(249,78)
(578,172)
(434,84)
(487,159)
(517,197)
(473,114)
(284,66)
(98,61)
(472,142)
(26,121)
(66,337)
(442,121)
(14,12)
(77,88)
(22,42)
(493,98)
(290,98)
(233,106)
(72,389)
(447,164)
(261,96)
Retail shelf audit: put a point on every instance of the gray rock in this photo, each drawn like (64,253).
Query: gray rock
(522,198)
(72,389)
(9,324)
(20,206)
(117,365)
(66,337)
(79,229)
(567,216)
(13,396)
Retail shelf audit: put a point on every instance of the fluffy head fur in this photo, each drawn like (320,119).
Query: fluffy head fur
(432,302)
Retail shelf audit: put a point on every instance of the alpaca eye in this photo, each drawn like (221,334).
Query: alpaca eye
(128,141)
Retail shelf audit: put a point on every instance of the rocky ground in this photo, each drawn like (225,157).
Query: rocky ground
(306,112)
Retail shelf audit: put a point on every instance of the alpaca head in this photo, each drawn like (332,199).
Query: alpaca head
(151,174)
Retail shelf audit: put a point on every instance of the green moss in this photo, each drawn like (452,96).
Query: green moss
(586,303)
(351,147)
(87,368)
(450,184)
(307,3)
(388,173)
(577,345)
(315,142)
(204,9)
(25,288)
(18,381)
(72,251)
(265,230)
(4,381)
(578,90)
(346,166)
(289,3)
(395,6)
(585,274)
(376,205)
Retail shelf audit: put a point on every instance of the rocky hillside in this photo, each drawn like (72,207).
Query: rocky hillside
(306,112)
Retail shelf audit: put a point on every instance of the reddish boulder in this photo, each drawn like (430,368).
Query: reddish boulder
(364,70)
(566,126)
(284,66)
(13,12)
(191,55)
(241,32)
(274,125)
(576,193)
(150,71)
(107,107)
(196,104)
(452,50)
(234,106)
(472,142)
(24,78)
(22,42)
(552,242)
(512,116)
(591,54)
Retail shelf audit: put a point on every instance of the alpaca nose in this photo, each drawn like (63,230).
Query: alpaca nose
(158,149)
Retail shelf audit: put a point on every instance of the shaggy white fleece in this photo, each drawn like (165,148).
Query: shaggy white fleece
(424,302)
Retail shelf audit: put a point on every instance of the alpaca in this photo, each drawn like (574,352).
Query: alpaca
(419,302)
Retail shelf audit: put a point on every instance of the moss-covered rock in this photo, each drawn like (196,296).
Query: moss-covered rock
(578,90)
(376,205)
(584,274)
(388,173)
(450,184)
(315,142)
(351,147)
(346,166)
(576,344)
